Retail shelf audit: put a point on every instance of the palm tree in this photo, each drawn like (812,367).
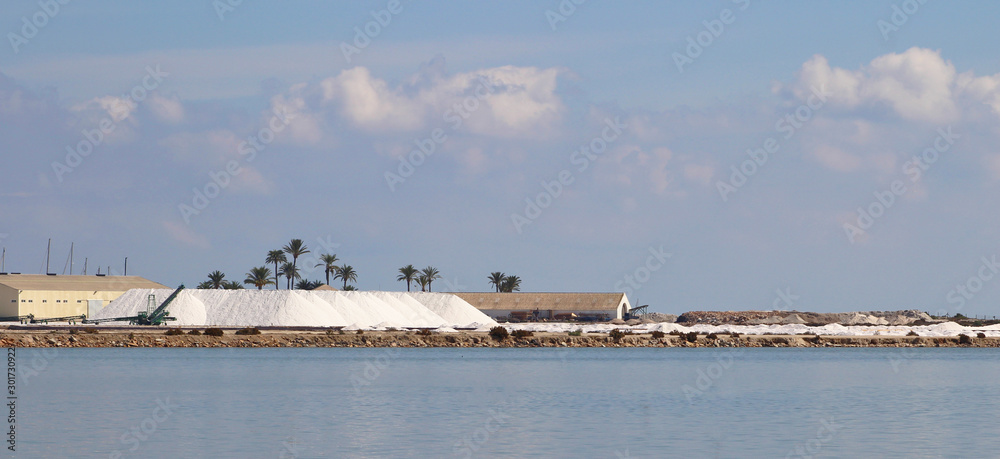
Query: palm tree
(232,285)
(511,284)
(295,248)
(259,277)
(423,282)
(350,288)
(308,285)
(347,273)
(496,278)
(328,265)
(205,285)
(276,256)
(407,273)
(216,279)
(431,273)
(290,272)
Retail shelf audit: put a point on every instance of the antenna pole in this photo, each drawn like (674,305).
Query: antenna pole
(126,267)
(84,266)
(71,258)
(47,252)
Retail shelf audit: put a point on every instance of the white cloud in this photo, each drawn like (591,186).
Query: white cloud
(370,103)
(508,101)
(118,108)
(167,110)
(917,85)
(304,126)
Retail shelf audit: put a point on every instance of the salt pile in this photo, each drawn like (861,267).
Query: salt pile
(452,309)
(354,310)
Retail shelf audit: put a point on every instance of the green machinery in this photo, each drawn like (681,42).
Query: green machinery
(153,315)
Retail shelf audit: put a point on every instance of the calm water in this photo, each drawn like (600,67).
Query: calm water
(509,403)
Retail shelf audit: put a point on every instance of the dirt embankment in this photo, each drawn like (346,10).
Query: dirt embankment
(157,338)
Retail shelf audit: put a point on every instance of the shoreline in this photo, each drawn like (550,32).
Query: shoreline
(69,337)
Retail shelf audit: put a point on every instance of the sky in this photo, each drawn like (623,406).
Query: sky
(697,155)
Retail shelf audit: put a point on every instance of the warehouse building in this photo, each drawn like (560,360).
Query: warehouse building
(62,296)
(520,306)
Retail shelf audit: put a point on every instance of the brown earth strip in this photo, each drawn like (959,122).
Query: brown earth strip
(155,337)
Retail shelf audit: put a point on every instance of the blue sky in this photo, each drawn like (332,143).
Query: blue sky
(534,95)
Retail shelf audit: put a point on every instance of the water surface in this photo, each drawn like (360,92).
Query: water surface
(509,402)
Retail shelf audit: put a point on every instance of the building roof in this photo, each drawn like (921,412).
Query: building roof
(76,283)
(524,301)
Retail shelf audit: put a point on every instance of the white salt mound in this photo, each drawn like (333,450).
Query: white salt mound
(451,308)
(372,310)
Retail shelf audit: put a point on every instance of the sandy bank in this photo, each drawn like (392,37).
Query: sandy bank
(155,337)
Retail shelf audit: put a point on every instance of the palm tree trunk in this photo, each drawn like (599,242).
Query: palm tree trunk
(277,284)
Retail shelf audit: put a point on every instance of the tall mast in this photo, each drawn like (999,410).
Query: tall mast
(47,252)
(84,266)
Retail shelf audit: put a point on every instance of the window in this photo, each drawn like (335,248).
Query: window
(45,301)
(13,301)
(79,301)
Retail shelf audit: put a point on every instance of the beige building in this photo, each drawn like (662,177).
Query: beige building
(62,296)
(549,306)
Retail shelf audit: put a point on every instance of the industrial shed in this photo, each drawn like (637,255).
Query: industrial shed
(62,296)
(549,306)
